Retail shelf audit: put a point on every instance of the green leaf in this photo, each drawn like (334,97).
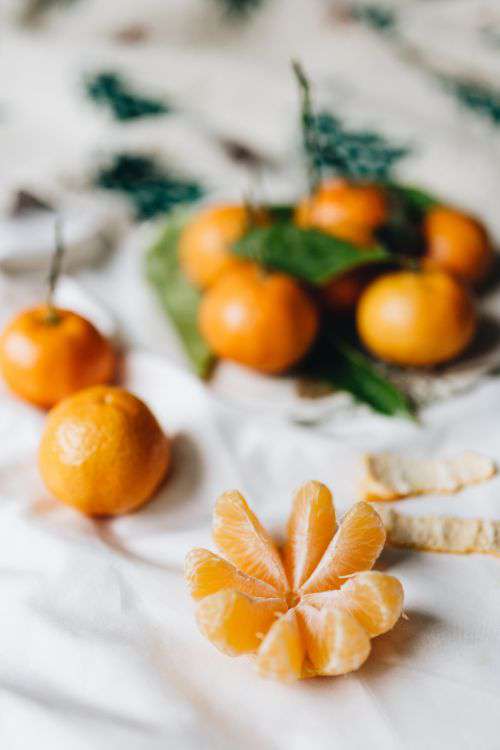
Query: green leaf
(178,297)
(281,212)
(307,254)
(348,369)
(402,233)
(414,199)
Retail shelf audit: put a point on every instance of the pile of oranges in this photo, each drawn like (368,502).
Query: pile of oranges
(419,315)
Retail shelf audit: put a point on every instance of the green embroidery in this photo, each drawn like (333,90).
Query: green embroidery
(478,97)
(35,9)
(109,90)
(355,154)
(378,17)
(147,185)
(239,8)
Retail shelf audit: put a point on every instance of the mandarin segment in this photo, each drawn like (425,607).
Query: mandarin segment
(281,654)
(245,542)
(322,627)
(236,623)
(311,527)
(335,641)
(207,573)
(375,599)
(354,548)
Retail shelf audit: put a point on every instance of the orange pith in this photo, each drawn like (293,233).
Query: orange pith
(312,613)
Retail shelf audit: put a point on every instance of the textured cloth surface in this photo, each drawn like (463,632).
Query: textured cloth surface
(98,645)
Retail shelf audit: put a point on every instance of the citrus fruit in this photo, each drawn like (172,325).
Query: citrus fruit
(416,318)
(103,452)
(47,355)
(348,210)
(263,320)
(311,611)
(205,243)
(342,293)
(457,243)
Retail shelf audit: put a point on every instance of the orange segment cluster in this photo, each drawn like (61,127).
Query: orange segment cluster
(309,612)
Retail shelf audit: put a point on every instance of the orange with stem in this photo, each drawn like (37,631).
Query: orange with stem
(47,353)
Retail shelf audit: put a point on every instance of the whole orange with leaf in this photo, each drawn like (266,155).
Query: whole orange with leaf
(257,318)
(47,353)
(103,452)
(205,243)
(416,318)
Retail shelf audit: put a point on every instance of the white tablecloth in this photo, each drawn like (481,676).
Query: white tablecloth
(98,645)
(99,648)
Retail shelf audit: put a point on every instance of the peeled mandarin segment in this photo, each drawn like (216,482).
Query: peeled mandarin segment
(243,540)
(207,573)
(354,548)
(310,530)
(374,599)
(335,641)
(236,623)
(281,654)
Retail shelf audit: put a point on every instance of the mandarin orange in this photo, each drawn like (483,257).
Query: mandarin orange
(457,243)
(416,318)
(205,244)
(348,210)
(47,354)
(263,320)
(103,452)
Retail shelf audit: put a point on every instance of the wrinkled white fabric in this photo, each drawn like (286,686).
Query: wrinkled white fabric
(99,647)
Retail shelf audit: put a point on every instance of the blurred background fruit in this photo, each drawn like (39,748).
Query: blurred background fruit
(260,319)
(205,244)
(348,210)
(342,294)
(416,318)
(48,353)
(457,243)
(103,452)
